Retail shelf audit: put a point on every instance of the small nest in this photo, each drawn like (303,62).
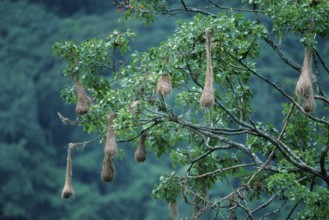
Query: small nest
(133,107)
(164,85)
(108,170)
(207,97)
(110,143)
(84,101)
(173,210)
(304,87)
(68,189)
(140,153)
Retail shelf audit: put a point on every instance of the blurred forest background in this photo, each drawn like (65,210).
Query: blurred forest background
(32,138)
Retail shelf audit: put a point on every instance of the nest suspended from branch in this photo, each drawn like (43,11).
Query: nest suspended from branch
(110,143)
(207,97)
(164,85)
(133,107)
(140,153)
(110,150)
(304,87)
(108,170)
(173,210)
(84,101)
(68,189)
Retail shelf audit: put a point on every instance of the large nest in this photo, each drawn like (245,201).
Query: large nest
(207,97)
(304,87)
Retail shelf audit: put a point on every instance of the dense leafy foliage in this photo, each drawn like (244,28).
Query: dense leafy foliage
(284,165)
(33,139)
(214,160)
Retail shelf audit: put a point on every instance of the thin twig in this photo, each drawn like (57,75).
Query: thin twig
(293,209)
(274,212)
(66,121)
(83,143)
(322,98)
(273,151)
(317,75)
(196,10)
(322,61)
(235,9)
(140,133)
(222,170)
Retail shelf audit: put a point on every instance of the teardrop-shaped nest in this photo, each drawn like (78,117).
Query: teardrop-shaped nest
(173,210)
(68,189)
(133,107)
(164,85)
(304,83)
(84,101)
(108,170)
(110,143)
(141,153)
(207,97)
(304,87)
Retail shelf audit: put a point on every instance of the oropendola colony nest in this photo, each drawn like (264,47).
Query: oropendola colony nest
(304,87)
(164,85)
(110,150)
(110,143)
(84,101)
(140,153)
(108,170)
(68,189)
(207,97)
(173,210)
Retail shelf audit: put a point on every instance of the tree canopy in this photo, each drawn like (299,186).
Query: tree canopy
(192,98)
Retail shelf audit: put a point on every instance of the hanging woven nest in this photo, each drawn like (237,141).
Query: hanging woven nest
(140,153)
(68,189)
(207,97)
(173,210)
(304,87)
(110,143)
(164,85)
(84,101)
(108,169)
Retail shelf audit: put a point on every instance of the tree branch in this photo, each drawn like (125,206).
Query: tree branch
(283,56)
(272,153)
(317,75)
(273,212)
(221,170)
(196,10)
(322,61)
(66,121)
(235,9)
(322,98)
(265,204)
(293,209)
